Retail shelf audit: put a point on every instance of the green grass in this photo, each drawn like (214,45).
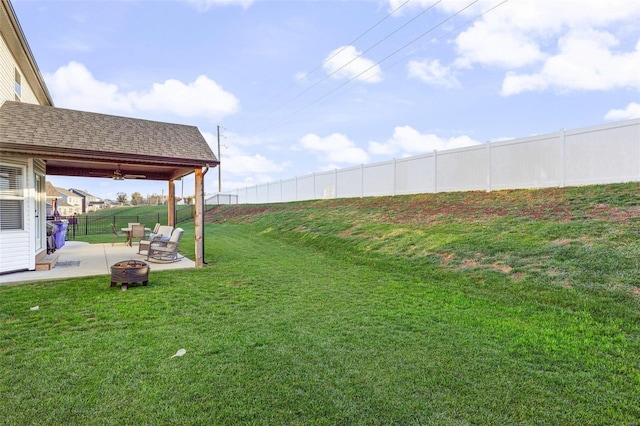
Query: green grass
(515,307)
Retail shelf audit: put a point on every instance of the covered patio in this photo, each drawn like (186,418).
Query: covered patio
(84,144)
(80,259)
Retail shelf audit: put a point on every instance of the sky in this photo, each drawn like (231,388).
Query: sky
(302,86)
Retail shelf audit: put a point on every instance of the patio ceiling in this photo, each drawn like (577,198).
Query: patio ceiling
(78,143)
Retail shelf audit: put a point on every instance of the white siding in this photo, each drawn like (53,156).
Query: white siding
(15,251)
(7,77)
(6,72)
(17,246)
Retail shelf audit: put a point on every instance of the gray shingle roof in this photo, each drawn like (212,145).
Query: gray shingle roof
(75,134)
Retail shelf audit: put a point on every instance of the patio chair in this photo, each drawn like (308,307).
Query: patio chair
(166,251)
(116,234)
(137,231)
(154,231)
(161,233)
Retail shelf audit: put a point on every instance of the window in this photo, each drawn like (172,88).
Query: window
(18,84)
(11,197)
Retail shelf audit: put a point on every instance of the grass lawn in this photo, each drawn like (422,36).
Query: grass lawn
(515,307)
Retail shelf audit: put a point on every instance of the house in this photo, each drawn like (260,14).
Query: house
(51,198)
(22,179)
(69,203)
(38,139)
(90,203)
(61,202)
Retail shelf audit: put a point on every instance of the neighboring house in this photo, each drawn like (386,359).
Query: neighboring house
(69,203)
(52,197)
(90,203)
(155,200)
(37,139)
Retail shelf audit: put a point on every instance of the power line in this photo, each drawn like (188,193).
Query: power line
(307,74)
(361,53)
(355,39)
(376,64)
(449,33)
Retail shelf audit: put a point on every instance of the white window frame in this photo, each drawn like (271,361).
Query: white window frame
(17,194)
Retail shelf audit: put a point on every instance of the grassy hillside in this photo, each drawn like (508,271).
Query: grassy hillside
(585,237)
(136,210)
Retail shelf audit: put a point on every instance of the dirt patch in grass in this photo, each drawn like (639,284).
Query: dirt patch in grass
(613,214)
(451,261)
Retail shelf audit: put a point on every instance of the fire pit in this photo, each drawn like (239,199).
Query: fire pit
(129,271)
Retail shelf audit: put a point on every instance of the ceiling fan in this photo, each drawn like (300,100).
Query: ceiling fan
(118,175)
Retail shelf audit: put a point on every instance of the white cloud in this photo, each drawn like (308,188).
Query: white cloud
(585,61)
(237,162)
(245,164)
(347,62)
(203,97)
(204,5)
(73,86)
(408,141)
(431,72)
(496,47)
(335,148)
(564,45)
(631,111)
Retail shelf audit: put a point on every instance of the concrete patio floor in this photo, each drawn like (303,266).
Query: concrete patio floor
(80,259)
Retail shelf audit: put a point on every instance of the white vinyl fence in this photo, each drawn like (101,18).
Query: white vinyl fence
(218,199)
(593,155)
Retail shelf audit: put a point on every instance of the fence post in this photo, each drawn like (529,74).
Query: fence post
(563,141)
(489,166)
(335,182)
(394,177)
(361,180)
(435,171)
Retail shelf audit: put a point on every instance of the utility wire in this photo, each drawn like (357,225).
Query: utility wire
(307,74)
(372,66)
(359,55)
(456,30)
(354,40)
